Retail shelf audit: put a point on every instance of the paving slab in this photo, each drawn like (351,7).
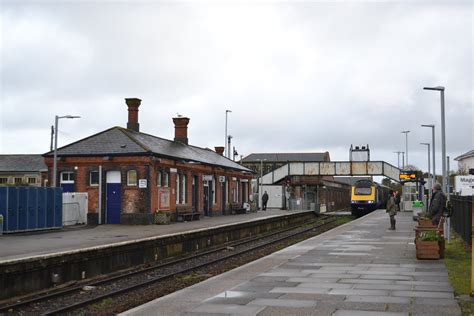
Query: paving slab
(312,278)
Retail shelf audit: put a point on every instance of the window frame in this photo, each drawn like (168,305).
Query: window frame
(90,178)
(129,172)
(31,180)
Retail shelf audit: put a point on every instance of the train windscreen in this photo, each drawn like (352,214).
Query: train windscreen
(363,191)
(363,187)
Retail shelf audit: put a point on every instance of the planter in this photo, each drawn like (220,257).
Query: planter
(427,249)
(162,218)
(425,223)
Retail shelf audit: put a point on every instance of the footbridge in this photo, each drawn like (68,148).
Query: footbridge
(333,168)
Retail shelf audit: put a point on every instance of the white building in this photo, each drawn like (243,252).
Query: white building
(466,162)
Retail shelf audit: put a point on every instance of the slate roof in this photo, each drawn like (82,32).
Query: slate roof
(284,157)
(22,163)
(465,155)
(121,141)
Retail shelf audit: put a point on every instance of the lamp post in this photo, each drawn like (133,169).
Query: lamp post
(261,181)
(443,137)
(403,160)
(398,152)
(434,156)
(406,144)
(225,141)
(55,162)
(430,189)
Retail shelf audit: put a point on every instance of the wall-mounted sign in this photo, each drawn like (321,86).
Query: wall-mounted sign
(221,178)
(207,177)
(142,183)
(173,170)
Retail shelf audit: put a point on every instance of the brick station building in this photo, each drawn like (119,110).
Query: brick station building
(129,175)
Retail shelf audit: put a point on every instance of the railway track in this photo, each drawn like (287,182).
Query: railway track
(80,297)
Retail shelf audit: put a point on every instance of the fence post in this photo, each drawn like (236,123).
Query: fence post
(472,244)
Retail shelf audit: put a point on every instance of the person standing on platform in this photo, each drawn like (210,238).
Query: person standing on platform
(392,209)
(264,201)
(398,200)
(437,204)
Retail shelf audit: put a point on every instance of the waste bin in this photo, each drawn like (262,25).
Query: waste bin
(417,209)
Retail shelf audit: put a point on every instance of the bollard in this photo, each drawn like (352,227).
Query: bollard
(1,224)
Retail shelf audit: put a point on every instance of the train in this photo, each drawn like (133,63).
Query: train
(367,196)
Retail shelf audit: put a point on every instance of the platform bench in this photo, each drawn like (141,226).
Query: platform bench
(237,208)
(185,213)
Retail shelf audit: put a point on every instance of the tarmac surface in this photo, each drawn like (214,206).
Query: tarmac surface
(360,268)
(77,238)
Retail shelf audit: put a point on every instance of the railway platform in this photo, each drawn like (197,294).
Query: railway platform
(75,239)
(360,268)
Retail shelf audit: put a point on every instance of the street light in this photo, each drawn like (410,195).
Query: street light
(403,160)
(55,162)
(406,144)
(430,189)
(261,180)
(398,152)
(443,137)
(225,141)
(434,156)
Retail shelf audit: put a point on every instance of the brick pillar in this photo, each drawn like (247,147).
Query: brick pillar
(181,129)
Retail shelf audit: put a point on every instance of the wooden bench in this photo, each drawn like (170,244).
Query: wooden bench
(186,213)
(237,208)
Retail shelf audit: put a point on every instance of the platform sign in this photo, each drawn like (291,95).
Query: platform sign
(407,176)
(142,183)
(164,199)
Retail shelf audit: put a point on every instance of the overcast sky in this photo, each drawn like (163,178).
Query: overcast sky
(299,76)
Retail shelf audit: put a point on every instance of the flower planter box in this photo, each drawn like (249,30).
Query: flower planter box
(162,218)
(427,249)
(425,223)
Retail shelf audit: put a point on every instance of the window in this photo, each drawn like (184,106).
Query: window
(213,190)
(67,177)
(177,188)
(166,179)
(132,177)
(94,178)
(3,180)
(183,188)
(31,180)
(159,179)
(18,180)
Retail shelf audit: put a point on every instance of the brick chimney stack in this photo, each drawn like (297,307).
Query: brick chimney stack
(219,150)
(133,104)
(181,129)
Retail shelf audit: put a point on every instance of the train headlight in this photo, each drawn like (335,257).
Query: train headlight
(370,202)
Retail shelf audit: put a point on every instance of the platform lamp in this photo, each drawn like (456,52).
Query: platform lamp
(55,162)
(433,149)
(261,180)
(443,137)
(226,150)
(430,188)
(406,144)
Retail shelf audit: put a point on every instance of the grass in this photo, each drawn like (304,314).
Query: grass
(103,304)
(458,262)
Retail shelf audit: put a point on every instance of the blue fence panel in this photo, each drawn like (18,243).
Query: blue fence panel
(49,207)
(58,207)
(12,210)
(32,208)
(41,208)
(22,209)
(3,206)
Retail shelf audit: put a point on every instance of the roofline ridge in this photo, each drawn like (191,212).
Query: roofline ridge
(127,133)
(80,140)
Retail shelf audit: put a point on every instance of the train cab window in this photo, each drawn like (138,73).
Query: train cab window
(363,191)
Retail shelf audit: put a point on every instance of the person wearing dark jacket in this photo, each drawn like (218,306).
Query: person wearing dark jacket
(437,204)
(392,209)
(264,201)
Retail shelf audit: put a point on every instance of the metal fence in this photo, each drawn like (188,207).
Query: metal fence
(462,216)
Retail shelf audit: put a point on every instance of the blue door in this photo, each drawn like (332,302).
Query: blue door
(67,187)
(41,216)
(114,197)
(3,206)
(32,208)
(12,210)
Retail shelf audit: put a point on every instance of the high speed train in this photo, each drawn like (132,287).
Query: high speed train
(367,196)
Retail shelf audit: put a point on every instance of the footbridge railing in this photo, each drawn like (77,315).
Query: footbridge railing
(333,168)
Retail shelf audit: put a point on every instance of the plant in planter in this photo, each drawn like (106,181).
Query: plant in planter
(427,245)
(162,218)
(424,220)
